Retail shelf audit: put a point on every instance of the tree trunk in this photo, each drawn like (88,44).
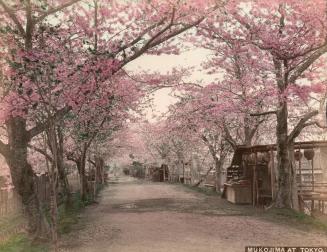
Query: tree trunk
(247,131)
(284,194)
(23,177)
(53,177)
(82,174)
(218,165)
(61,166)
(102,172)
(63,177)
(54,208)
(99,168)
(293,178)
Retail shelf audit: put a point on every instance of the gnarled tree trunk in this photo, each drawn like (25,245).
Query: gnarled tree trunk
(81,165)
(219,165)
(61,165)
(23,177)
(99,166)
(284,194)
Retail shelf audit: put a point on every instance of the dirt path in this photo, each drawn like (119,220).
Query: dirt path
(138,216)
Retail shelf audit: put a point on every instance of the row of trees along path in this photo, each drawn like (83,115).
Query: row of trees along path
(66,91)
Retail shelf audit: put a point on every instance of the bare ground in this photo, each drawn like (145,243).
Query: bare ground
(156,217)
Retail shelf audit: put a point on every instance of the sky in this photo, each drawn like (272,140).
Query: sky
(164,63)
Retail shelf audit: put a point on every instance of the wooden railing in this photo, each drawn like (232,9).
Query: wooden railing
(313,197)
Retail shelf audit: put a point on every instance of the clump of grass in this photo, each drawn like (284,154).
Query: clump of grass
(20,243)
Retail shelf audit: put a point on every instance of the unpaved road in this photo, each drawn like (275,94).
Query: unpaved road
(136,216)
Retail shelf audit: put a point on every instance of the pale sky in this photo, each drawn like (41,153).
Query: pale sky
(164,63)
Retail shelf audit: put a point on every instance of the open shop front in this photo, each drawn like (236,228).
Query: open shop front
(252,176)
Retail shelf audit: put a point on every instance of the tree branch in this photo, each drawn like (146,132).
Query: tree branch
(39,128)
(148,44)
(44,153)
(70,157)
(255,128)
(307,63)
(91,161)
(301,125)
(173,34)
(54,10)
(264,113)
(138,39)
(316,123)
(229,137)
(201,180)
(13,17)
(95,133)
(152,43)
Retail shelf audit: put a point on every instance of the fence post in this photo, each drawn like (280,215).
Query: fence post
(1,203)
(6,199)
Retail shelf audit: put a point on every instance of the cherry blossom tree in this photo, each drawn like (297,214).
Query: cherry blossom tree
(239,89)
(98,118)
(19,26)
(166,144)
(105,35)
(294,36)
(192,119)
(219,113)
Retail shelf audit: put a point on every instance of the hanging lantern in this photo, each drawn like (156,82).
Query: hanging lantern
(309,154)
(298,155)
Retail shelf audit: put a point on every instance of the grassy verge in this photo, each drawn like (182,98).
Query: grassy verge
(68,216)
(20,243)
(11,224)
(295,219)
(13,238)
(210,191)
(287,217)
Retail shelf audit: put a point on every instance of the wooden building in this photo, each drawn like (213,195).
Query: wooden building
(157,174)
(253,175)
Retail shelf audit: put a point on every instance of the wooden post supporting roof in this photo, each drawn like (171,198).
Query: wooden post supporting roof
(272,173)
(255,193)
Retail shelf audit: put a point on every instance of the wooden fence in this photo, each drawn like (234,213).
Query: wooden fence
(10,203)
(11,206)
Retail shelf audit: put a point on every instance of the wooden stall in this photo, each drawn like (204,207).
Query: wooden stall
(238,193)
(158,174)
(252,176)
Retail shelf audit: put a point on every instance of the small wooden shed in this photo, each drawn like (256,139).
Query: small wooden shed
(252,176)
(158,174)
